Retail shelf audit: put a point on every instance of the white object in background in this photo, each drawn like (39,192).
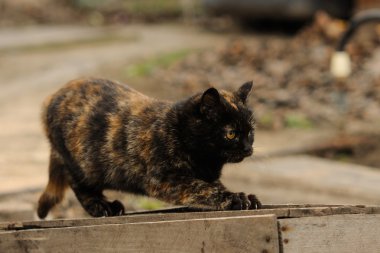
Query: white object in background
(340,64)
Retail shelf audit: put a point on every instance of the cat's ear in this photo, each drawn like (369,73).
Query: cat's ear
(210,102)
(243,92)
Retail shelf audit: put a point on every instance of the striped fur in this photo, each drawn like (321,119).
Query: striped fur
(106,135)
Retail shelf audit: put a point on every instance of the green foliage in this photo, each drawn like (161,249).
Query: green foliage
(266,121)
(150,204)
(297,121)
(146,67)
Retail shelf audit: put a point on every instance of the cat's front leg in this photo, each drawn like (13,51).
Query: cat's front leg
(197,193)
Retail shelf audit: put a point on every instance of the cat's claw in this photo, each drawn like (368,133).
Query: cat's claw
(240,201)
(103,208)
(117,208)
(98,207)
(255,202)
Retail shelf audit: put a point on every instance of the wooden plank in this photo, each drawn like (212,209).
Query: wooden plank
(151,216)
(336,233)
(237,234)
(281,211)
(333,210)
(157,215)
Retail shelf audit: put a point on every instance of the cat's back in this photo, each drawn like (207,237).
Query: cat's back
(88,109)
(80,93)
(83,97)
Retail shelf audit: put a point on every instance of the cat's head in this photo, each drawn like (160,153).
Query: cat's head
(225,125)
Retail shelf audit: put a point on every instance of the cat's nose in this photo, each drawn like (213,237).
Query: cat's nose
(248,149)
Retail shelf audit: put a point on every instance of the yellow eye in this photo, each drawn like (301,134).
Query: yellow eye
(231,134)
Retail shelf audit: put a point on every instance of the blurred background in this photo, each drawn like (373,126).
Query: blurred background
(317,138)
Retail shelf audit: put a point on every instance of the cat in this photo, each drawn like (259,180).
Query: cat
(106,135)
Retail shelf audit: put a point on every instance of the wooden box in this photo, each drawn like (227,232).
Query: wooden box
(275,228)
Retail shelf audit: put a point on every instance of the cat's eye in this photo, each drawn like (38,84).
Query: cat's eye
(231,134)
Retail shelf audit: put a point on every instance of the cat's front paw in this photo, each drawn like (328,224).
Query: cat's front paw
(117,208)
(101,208)
(255,202)
(241,201)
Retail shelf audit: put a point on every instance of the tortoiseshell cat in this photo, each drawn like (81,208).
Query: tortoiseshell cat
(105,135)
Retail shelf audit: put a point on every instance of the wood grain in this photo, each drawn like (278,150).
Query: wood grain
(237,234)
(281,211)
(335,233)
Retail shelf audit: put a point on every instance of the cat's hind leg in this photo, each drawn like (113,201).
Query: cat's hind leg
(95,203)
(55,189)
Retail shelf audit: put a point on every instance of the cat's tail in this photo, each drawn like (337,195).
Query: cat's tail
(55,189)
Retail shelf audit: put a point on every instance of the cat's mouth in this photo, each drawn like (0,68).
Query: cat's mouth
(235,157)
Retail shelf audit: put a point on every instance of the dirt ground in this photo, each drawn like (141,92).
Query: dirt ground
(167,61)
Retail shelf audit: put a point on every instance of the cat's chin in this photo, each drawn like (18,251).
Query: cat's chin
(236,158)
